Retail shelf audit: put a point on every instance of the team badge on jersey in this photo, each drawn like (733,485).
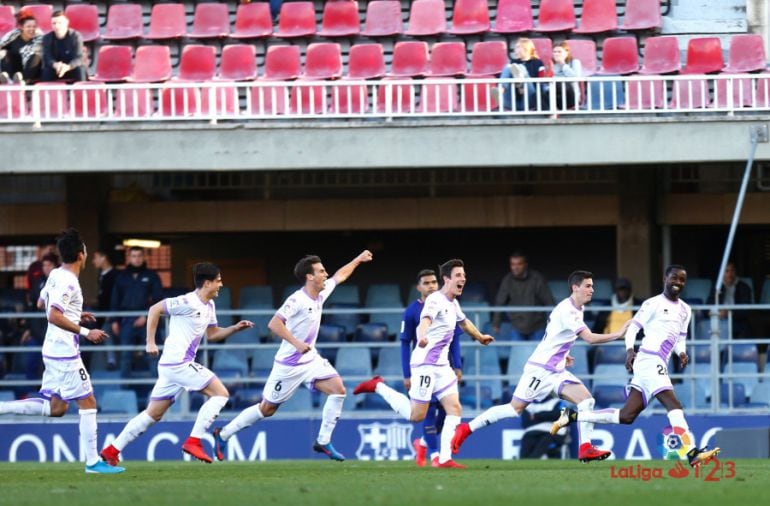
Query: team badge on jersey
(380,441)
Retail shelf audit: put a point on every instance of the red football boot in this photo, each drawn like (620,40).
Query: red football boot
(194,448)
(589,452)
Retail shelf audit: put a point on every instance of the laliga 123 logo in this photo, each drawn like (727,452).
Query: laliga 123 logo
(674,443)
(380,441)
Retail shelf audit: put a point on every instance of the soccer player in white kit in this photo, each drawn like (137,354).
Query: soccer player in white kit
(65,377)
(193,315)
(431,372)
(665,320)
(297,362)
(545,371)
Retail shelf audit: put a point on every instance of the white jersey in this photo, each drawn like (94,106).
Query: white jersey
(190,317)
(302,315)
(564,324)
(665,325)
(62,291)
(444,315)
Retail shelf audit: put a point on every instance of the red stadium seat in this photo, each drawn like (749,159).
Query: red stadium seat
(661,56)
(167,21)
(690,94)
(514,16)
(556,16)
(238,63)
(351,98)
(225,101)
(448,59)
(747,54)
(308,99)
(470,17)
(7,19)
(366,61)
(85,19)
(13,103)
(704,55)
(268,100)
(252,21)
(340,19)
(282,63)
(488,58)
(395,98)
(383,19)
(642,15)
(598,16)
(52,104)
(88,102)
(620,56)
(42,14)
(113,64)
(134,103)
(439,98)
(197,63)
(175,102)
(427,17)
(297,19)
(478,97)
(743,90)
(124,21)
(584,51)
(410,59)
(544,49)
(211,21)
(152,65)
(645,95)
(323,61)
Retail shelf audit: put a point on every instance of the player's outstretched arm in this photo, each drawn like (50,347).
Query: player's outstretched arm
(57,318)
(215,334)
(344,272)
(278,327)
(470,329)
(593,338)
(153,317)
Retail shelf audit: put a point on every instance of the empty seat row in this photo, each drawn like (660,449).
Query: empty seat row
(341,19)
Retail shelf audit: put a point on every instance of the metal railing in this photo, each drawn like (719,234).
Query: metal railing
(712,379)
(602,96)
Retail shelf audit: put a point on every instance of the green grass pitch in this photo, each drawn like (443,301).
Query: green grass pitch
(485,482)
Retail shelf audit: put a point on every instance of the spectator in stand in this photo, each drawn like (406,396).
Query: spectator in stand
(36,327)
(63,52)
(136,289)
(734,291)
(106,283)
(622,300)
(21,51)
(35,272)
(564,65)
(526,64)
(523,287)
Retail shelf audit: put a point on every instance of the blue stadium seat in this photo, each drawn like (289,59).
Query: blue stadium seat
(389,362)
(610,354)
(384,295)
(119,401)
(99,388)
(256,296)
(517,360)
(7,395)
(468,396)
(246,397)
(502,336)
(690,388)
(764,298)
(288,291)
(371,333)
(345,294)
(489,365)
(374,401)
(700,354)
(703,382)
(738,393)
(476,313)
(392,321)
(475,292)
(354,361)
(331,334)
(761,392)
(231,359)
(602,289)
(253,299)
(301,401)
(262,362)
(350,320)
(224,302)
(231,377)
(697,289)
(19,390)
(745,353)
(744,368)
(580,354)
(610,374)
(609,396)
(559,290)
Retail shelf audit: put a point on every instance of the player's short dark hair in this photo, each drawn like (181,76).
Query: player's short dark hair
(423,273)
(57,13)
(577,278)
(674,267)
(51,257)
(203,272)
(446,268)
(518,254)
(136,248)
(305,266)
(70,244)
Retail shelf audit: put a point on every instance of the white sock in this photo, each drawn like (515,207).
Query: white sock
(585,428)
(331,413)
(423,443)
(610,415)
(133,429)
(245,418)
(88,435)
(398,401)
(207,414)
(450,424)
(434,455)
(492,415)
(32,407)
(676,417)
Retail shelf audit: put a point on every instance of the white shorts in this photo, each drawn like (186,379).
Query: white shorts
(537,383)
(284,380)
(430,380)
(650,376)
(190,376)
(66,379)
